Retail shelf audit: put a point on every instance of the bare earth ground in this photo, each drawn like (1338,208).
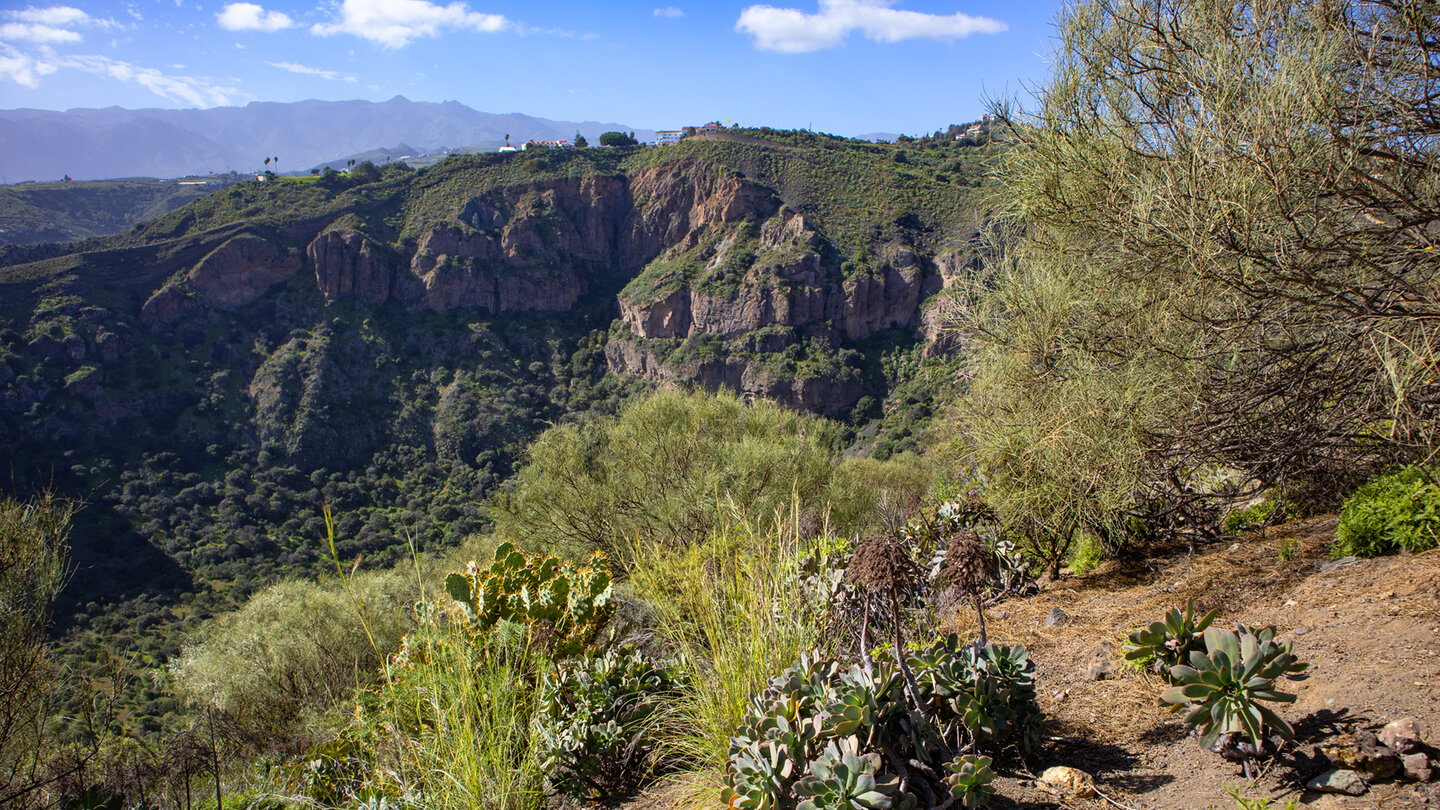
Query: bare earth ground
(1371,632)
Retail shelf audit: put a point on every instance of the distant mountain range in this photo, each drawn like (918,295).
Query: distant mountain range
(91,144)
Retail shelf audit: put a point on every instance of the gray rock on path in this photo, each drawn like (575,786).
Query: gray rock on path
(1418,767)
(1056,618)
(1405,735)
(1102,663)
(1335,780)
(1326,568)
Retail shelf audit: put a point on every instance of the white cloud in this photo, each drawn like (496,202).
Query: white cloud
(48,26)
(192,90)
(55,15)
(14,32)
(394,23)
(306,70)
(790,30)
(22,68)
(251,17)
(27,69)
(669,12)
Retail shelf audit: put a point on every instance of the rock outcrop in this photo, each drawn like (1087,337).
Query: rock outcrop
(350,263)
(237,272)
(241,270)
(792,290)
(709,256)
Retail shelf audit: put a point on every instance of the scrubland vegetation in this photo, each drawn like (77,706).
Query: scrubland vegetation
(1210,306)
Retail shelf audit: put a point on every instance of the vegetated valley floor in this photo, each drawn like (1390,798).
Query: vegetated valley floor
(1370,630)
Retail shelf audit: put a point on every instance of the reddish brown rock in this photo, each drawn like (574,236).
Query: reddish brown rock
(349,263)
(241,270)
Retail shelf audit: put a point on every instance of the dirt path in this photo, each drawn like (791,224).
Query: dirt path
(1370,630)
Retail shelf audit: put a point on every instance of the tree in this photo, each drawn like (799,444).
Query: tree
(366,172)
(617,139)
(33,567)
(1229,213)
(580,142)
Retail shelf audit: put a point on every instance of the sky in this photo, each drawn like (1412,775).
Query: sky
(847,67)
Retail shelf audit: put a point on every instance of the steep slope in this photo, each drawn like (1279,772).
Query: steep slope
(386,343)
(65,212)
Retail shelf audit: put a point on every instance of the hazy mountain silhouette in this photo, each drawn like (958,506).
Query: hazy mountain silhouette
(90,144)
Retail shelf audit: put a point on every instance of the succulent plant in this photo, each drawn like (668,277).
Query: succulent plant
(557,603)
(760,775)
(792,748)
(596,719)
(842,778)
(881,564)
(969,780)
(1225,688)
(989,692)
(1166,643)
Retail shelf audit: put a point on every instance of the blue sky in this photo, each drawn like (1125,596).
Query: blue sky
(843,66)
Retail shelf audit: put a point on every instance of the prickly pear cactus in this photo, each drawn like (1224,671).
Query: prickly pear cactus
(558,604)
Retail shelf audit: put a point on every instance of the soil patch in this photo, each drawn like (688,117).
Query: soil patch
(1370,631)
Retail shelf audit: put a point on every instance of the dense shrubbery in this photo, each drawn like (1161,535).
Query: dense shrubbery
(33,561)
(599,719)
(296,650)
(819,712)
(1393,512)
(667,468)
(1159,235)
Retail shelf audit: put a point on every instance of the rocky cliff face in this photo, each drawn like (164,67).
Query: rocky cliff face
(708,256)
(350,263)
(236,273)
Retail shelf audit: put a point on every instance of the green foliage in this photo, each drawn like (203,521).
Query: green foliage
(598,719)
(1288,549)
(738,609)
(34,546)
(1086,555)
(1224,689)
(66,212)
(452,720)
(1264,513)
(329,773)
(841,778)
(969,780)
(990,692)
(295,650)
(818,714)
(559,606)
(1392,512)
(1243,802)
(1166,643)
(665,470)
(617,139)
(1133,342)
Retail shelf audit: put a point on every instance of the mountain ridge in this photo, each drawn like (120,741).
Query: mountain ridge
(110,142)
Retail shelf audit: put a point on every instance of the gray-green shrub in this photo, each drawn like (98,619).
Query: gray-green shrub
(296,648)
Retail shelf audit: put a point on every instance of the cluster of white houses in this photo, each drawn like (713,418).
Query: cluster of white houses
(662,138)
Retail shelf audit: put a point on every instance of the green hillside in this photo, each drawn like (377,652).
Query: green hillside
(71,211)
